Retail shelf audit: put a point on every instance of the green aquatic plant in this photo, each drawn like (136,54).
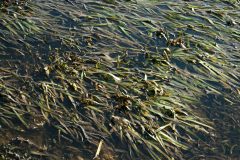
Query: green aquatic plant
(115,79)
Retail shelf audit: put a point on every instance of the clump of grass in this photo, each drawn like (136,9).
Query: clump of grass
(86,103)
(123,79)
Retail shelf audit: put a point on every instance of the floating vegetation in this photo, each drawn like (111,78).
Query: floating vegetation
(119,79)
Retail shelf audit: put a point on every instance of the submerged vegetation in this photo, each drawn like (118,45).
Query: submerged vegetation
(116,79)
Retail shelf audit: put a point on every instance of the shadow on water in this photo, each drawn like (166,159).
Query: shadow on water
(225,144)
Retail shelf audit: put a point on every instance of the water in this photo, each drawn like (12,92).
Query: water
(74,74)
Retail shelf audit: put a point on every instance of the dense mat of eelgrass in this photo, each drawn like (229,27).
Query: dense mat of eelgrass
(116,79)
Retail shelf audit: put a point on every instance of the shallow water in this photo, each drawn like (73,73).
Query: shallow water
(187,50)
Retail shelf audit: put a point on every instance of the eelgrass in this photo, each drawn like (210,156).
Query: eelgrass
(129,75)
